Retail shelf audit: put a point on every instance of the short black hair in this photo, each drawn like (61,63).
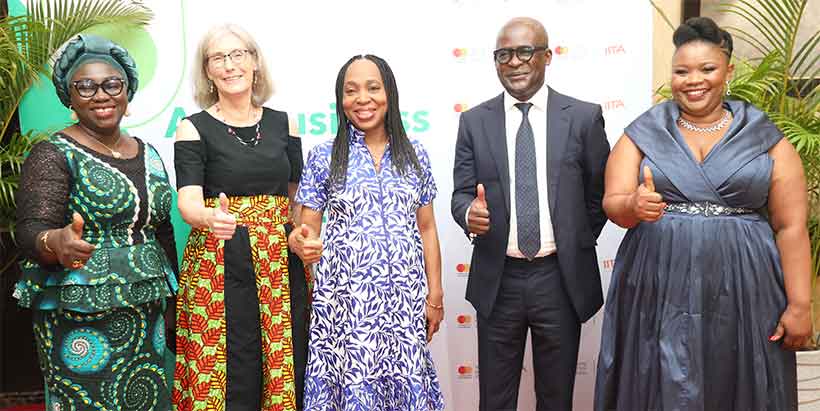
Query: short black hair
(703,29)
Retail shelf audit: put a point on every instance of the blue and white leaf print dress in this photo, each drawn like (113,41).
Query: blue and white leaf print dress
(368,346)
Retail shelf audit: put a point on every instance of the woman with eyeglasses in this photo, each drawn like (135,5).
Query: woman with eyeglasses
(239,311)
(93,219)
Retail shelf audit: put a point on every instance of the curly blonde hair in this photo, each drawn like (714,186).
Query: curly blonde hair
(204,95)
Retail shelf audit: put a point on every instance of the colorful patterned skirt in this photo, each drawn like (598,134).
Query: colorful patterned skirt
(234,335)
(112,360)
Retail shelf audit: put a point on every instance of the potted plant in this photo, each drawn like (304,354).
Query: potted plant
(28,41)
(782,82)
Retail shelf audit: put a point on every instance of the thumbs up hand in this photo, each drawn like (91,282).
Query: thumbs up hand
(70,248)
(478,218)
(220,220)
(647,204)
(305,242)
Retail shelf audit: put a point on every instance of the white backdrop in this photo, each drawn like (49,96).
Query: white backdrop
(441,53)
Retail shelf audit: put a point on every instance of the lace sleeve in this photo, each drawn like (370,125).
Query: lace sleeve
(42,198)
(165,237)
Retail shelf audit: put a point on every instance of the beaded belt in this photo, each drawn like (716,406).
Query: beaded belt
(706,209)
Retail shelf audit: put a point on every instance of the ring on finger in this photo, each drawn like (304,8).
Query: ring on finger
(76,263)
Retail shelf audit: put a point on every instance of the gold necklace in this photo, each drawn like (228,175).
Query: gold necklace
(114,153)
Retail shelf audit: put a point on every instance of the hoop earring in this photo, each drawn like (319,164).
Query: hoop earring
(211,86)
(728,90)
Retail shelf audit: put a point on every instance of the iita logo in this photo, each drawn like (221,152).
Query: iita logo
(615,49)
(464,321)
(612,105)
(460,107)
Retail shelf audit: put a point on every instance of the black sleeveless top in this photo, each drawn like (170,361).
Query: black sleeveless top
(220,163)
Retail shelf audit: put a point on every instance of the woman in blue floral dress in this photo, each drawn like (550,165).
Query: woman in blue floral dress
(377,297)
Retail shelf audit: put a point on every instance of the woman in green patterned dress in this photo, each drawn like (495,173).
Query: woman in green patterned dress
(93,220)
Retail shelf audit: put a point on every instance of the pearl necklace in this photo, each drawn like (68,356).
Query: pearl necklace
(715,127)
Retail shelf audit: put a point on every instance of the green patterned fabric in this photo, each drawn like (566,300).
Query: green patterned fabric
(104,361)
(129,267)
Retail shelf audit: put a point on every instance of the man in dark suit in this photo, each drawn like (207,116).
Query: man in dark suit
(528,185)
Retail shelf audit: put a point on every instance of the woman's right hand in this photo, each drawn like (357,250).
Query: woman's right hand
(71,250)
(220,220)
(306,244)
(646,204)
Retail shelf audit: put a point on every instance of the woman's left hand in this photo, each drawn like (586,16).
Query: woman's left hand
(434,314)
(794,328)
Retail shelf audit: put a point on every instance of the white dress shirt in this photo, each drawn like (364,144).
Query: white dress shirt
(538,120)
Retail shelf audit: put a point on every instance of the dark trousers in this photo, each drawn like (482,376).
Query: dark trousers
(531,297)
(244,341)
(244,336)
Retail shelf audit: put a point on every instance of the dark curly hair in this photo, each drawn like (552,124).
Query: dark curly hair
(703,29)
(403,154)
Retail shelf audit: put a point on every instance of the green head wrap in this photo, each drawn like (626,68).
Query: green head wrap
(87,48)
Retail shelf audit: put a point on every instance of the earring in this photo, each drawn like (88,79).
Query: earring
(211,86)
(127,112)
(728,90)
(255,78)
(73,114)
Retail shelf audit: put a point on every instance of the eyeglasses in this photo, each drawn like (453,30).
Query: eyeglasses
(524,53)
(237,57)
(87,88)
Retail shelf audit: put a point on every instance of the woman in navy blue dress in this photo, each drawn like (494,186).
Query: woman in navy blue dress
(711,286)
(377,297)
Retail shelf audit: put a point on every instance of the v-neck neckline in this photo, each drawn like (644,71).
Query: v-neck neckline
(681,140)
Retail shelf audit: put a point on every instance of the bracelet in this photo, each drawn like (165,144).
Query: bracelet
(437,307)
(44,239)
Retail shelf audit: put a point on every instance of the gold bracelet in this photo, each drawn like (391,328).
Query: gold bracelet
(437,307)
(44,239)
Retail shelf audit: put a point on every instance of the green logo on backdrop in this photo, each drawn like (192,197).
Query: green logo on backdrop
(323,123)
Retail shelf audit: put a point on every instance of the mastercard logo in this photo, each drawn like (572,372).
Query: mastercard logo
(464,319)
(460,108)
(459,52)
(464,370)
(561,50)
(463,268)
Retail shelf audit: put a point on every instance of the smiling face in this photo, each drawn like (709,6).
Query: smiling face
(364,97)
(101,112)
(230,78)
(699,74)
(523,79)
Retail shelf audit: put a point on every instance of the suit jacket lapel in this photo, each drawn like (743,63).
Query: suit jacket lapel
(495,136)
(557,134)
